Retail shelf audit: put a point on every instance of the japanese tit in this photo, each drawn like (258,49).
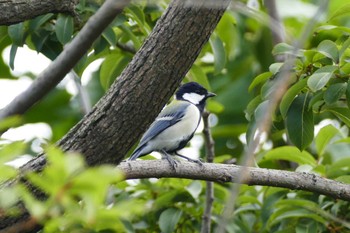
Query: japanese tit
(175,125)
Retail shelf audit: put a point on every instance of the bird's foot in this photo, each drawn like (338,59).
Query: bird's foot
(172,162)
(197,161)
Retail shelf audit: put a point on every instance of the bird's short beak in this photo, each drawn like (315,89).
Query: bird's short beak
(211,94)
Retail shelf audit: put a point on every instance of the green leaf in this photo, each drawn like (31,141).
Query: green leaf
(137,14)
(345,9)
(279,216)
(16,33)
(38,38)
(259,79)
(11,150)
(199,76)
(323,138)
(100,44)
(338,168)
(136,40)
(9,122)
(36,208)
(165,198)
(233,130)
(302,204)
(9,196)
(195,189)
(344,69)
(261,109)
(284,48)
(268,88)
(110,36)
(13,52)
(111,68)
(168,220)
(252,105)
(226,30)
(343,48)
(342,113)
(300,123)
(347,94)
(289,96)
(64,28)
(320,78)
(290,153)
(219,54)
(332,28)
(34,24)
(215,107)
(329,49)
(7,173)
(275,67)
(345,179)
(334,92)
(316,100)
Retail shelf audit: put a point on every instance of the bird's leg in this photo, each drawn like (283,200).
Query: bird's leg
(168,157)
(189,159)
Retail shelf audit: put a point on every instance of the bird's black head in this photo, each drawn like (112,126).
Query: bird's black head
(194,93)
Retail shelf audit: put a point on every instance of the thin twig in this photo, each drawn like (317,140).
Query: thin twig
(261,17)
(69,57)
(209,192)
(264,123)
(278,36)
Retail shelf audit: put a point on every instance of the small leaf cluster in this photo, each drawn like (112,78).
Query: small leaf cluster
(68,196)
(268,209)
(319,88)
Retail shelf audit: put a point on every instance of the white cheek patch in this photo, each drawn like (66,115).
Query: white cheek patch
(193,97)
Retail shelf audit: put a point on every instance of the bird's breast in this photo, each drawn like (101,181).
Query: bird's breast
(182,130)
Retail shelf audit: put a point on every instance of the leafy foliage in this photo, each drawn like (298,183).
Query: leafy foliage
(310,128)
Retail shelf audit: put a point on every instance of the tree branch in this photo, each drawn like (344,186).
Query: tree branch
(69,57)
(15,11)
(221,173)
(278,36)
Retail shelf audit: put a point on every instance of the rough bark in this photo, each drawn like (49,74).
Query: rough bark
(15,11)
(228,173)
(134,100)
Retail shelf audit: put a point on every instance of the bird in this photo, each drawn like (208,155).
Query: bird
(176,124)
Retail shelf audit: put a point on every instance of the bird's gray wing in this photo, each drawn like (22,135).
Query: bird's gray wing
(168,117)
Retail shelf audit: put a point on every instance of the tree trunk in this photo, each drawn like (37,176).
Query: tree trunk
(116,122)
(15,11)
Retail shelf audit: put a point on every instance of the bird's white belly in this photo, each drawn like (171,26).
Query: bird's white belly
(173,135)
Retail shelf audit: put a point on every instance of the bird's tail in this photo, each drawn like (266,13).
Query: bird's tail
(137,153)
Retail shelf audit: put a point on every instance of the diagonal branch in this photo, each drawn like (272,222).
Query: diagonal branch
(15,11)
(70,56)
(142,169)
